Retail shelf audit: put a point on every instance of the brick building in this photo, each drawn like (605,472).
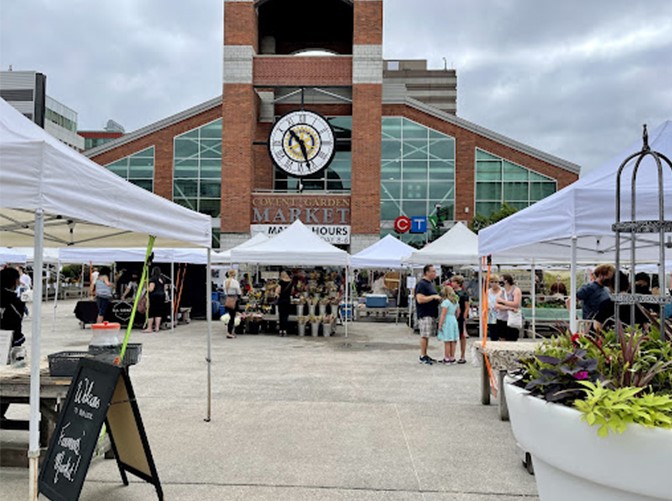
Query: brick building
(398,147)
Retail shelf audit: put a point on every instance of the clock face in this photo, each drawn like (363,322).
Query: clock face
(302,143)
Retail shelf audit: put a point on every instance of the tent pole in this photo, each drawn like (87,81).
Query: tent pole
(58,282)
(480,299)
(81,293)
(396,321)
(34,426)
(172,296)
(208,313)
(347,305)
(572,289)
(534,300)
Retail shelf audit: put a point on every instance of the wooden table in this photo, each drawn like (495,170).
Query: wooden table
(503,357)
(15,389)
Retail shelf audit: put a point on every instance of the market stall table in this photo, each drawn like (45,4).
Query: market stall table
(503,357)
(15,389)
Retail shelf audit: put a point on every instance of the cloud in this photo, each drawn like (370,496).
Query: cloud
(575,78)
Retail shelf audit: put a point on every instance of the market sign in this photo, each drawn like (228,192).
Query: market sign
(334,234)
(273,209)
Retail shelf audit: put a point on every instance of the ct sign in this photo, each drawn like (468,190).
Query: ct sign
(416,224)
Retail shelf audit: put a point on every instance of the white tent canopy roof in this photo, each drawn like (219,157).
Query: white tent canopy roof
(295,246)
(11,256)
(75,255)
(39,172)
(389,252)
(224,257)
(458,246)
(587,210)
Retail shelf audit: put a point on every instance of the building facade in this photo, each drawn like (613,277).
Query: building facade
(392,146)
(26,91)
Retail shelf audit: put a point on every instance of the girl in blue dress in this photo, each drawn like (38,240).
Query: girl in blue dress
(448,330)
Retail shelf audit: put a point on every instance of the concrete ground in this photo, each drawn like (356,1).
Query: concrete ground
(301,419)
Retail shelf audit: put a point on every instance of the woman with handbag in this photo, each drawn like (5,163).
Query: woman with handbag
(103,290)
(509,314)
(233,292)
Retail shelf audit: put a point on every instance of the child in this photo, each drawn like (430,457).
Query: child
(448,330)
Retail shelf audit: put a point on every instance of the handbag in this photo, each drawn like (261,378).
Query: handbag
(515,320)
(27,296)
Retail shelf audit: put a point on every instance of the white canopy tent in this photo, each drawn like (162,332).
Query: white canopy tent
(388,252)
(224,257)
(11,256)
(74,255)
(459,245)
(50,192)
(575,224)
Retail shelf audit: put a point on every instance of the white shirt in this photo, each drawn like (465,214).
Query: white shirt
(232,287)
(25,280)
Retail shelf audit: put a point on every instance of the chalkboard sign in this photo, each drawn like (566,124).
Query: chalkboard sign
(99,393)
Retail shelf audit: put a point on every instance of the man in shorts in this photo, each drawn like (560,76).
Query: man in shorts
(457,283)
(427,303)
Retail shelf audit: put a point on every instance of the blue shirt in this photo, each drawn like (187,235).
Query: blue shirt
(592,295)
(430,309)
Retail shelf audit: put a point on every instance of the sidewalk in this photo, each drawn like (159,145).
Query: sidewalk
(302,419)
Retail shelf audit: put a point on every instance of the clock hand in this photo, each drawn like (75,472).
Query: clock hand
(302,145)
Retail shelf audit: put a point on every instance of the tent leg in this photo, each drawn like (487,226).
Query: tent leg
(347,300)
(34,426)
(534,300)
(172,296)
(58,283)
(208,312)
(396,321)
(572,289)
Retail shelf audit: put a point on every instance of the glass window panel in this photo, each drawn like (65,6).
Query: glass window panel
(212,130)
(391,149)
(441,149)
(434,134)
(413,208)
(514,172)
(415,150)
(185,148)
(119,169)
(539,191)
(135,161)
(145,184)
(415,171)
(415,189)
(516,191)
(146,153)
(389,211)
(391,190)
(487,208)
(342,122)
(210,189)
(441,189)
(488,171)
(484,155)
(189,203)
(186,188)
(411,130)
(519,205)
(439,170)
(141,173)
(186,172)
(211,169)
(488,191)
(211,148)
(392,127)
(210,207)
(535,176)
(391,171)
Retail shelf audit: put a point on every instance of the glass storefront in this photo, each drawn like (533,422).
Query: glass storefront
(197,168)
(499,181)
(417,173)
(137,168)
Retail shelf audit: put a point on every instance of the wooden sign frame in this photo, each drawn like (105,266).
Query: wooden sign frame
(88,406)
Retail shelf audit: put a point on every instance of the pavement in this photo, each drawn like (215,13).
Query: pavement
(300,418)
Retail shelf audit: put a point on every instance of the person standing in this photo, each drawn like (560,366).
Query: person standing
(594,293)
(233,293)
(448,328)
(102,289)
(558,288)
(510,299)
(493,292)
(157,300)
(457,282)
(427,306)
(284,293)
(11,306)
(131,288)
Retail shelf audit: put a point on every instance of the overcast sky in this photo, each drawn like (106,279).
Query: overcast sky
(575,78)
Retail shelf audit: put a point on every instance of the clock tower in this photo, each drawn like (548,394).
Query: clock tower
(291,66)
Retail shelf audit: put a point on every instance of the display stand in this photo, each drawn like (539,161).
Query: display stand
(635,228)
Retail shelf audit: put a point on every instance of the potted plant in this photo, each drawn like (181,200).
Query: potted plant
(302,325)
(323,306)
(300,305)
(314,325)
(327,322)
(595,414)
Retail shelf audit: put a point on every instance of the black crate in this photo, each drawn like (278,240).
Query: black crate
(64,363)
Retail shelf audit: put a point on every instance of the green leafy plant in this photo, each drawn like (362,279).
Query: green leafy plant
(614,409)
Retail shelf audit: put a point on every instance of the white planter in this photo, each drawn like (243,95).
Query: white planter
(314,329)
(326,329)
(323,309)
(572,462)
(299,310)
(302,330)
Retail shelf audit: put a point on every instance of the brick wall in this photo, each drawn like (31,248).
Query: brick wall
(368,18)
(294,70)
(340,109)
(465,144)
(162,141)
(366,154)
(263,164)
(240,24)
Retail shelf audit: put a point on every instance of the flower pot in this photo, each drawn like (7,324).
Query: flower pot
(572,462)
(302,329)
(323,309)
(299,310)
(326,329)
(314,329)
(311,310)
